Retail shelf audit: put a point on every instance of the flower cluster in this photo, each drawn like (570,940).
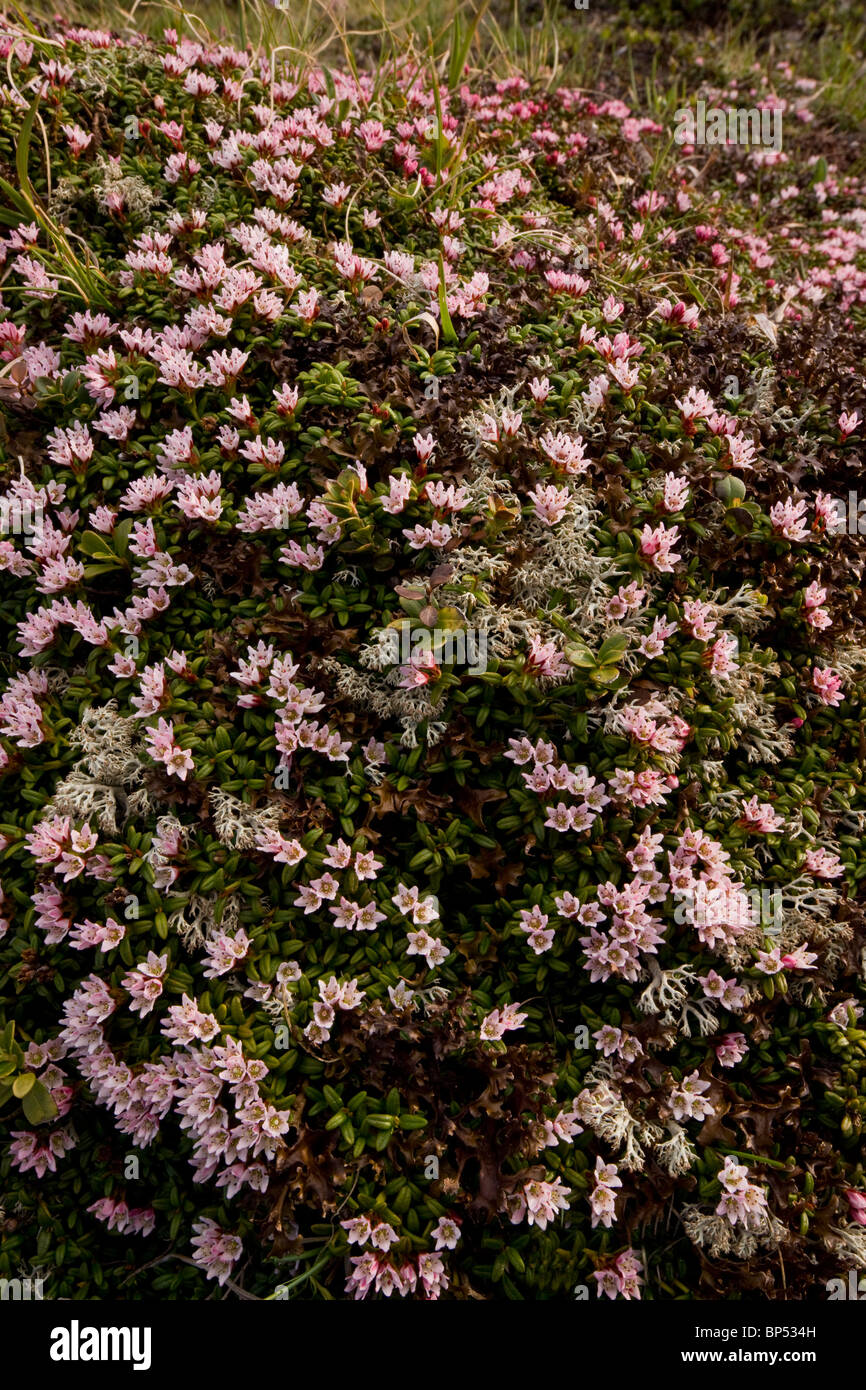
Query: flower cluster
(476,953)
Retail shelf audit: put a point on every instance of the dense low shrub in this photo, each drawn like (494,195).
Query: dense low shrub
(432,731)
(764,18)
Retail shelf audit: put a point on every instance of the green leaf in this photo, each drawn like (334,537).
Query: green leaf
(579,654)
(737,519)
(22,1084)
(13,197)
(91,571)
(450,619)
(22,149)
(97,546)
(121,533)
(613,649)
(38,1105)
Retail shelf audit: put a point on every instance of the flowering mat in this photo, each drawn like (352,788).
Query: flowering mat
(432,675)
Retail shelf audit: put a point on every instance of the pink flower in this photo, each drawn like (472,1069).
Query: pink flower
(424,446)
(161,746)
(823,864)
(78,139)
(679,313)
(623,1279)
(534,923)
(799,959)
(687,1100)
(373,134)
(695,405)
(742,451)
(446,1233)
(494,1025)
(214,1250)
(847,423)
(565,451)
(544,1201)
(788,519)
(676,493)
(656,545)
(562,283)
(308,305)
(364,1270)
(856,1205)
(357,1230)
(741,1200)
(287,398)
(383,1236)
(827,685)
(546,661)
(550,503)
(431,1271)
(602,1199)
(731,1049)
(761,817)
(335,194)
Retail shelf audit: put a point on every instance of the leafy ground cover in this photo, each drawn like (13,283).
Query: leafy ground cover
(433,662)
